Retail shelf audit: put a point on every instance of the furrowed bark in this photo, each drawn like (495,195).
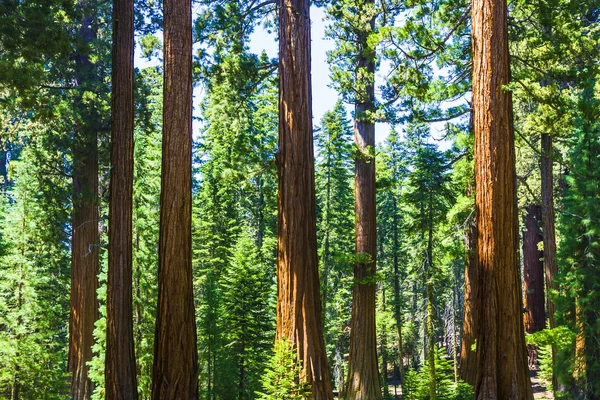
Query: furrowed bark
(175,371)
(502,371)
(363,373)
(120,366)
(85,237)
(299,313)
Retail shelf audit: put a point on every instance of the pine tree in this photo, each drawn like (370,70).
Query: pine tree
(248,317)
(34,280)
(335,230)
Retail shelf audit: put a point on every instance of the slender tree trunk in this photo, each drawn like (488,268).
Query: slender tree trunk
(120,367)
(430,329)
(175,374)
(397,294)
(85,236)
(363,373)
(535,317)
(533,272)
(299,314)
(502,371)
(549,236)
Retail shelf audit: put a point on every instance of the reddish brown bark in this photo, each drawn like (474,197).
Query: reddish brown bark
(502,371)
(175,371)
(468,357)
(549,233)
(299,315)
(363,372)
(533,271)
(120,367)
(85,236)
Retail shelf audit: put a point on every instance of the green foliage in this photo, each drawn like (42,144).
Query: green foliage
(417,382)
(335,232)
(248,317)
(34,281)
(281,379)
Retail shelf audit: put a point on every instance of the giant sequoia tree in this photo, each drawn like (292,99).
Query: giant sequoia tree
(299,317)
(85,239)
(502,371)
(120,368)
(175,353)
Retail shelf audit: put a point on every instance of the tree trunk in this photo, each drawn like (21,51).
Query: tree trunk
(549,235)
(468,366)
(363,374)
(502,371)
(430,328)
(120,367)
(85,236)
(175,374)
(535,317)
(299,314)
(397,294)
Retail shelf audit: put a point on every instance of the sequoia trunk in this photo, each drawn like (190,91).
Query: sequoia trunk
(299,314)
(502,371)
(363,374)
(535,317)
(120,367)
(468,357)
(85,236)
(549,234)
(175,371)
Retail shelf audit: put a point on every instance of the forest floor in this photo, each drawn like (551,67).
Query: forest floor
(539,386)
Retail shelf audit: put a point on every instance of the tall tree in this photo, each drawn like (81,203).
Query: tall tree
(120,370)
(533,271)
(85,238)
(175,374)
(299,318)
(335,219)
(501,356)
(354,74)
(363,373)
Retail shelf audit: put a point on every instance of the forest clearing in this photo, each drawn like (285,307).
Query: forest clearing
(295,199)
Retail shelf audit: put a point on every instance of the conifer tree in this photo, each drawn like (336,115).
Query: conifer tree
(335,230)
(120,381)
(175,349)
(299,314)
(34,279)
(501,357)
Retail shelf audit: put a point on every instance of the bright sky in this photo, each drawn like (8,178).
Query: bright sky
(324,97)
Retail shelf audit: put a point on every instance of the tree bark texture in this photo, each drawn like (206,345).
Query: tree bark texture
(502,371)
(85,236)
(363,373)
(549,234)
(533,265)
(175,371)
(120,366)
(299,314)
(468,357)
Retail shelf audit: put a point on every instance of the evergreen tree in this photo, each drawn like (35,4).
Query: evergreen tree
(33,281)
(335,230)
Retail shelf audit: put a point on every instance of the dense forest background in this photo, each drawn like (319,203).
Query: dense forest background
(410,64)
